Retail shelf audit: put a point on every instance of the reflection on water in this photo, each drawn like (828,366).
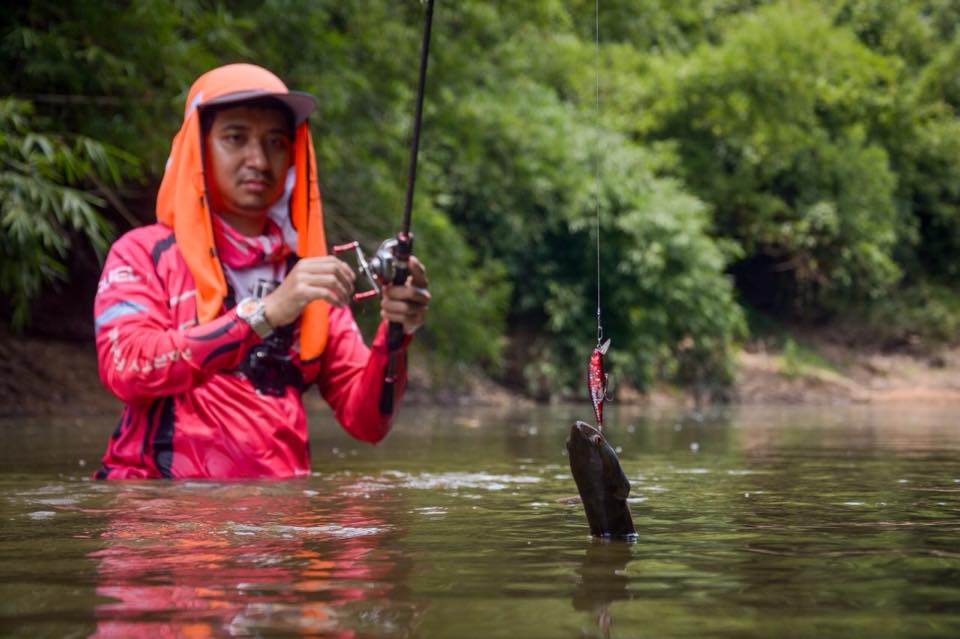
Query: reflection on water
(753,523)
(602,581)
(249,559)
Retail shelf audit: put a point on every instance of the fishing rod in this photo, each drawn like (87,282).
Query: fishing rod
(404,240)
(391,263)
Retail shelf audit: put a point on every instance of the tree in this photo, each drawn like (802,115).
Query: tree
(773,127)
(43,198)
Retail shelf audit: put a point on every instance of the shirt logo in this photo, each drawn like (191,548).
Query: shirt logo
(117,275)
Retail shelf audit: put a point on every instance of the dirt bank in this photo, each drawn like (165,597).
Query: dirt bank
(845,375)
(43,376)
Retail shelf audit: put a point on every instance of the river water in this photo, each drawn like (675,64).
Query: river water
(753,522)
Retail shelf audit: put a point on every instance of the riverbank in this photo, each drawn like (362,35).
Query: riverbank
(42,376)
(829,373)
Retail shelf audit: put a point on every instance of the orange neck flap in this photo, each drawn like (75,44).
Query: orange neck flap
(183,205)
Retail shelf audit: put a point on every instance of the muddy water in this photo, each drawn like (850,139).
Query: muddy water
(789,522)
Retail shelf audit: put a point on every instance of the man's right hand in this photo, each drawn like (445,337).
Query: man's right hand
(312,278)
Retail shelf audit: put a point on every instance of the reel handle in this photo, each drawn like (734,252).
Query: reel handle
(343,248)
(365,295)
(364,269)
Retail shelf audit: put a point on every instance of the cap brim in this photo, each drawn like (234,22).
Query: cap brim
(301,104)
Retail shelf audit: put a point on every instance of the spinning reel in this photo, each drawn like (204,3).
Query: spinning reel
(381,269)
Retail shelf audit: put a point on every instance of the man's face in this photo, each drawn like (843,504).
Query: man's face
(248,152)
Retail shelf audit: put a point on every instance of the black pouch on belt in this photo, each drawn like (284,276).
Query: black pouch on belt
(269,365)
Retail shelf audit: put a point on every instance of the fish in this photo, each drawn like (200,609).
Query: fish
(601,482)
(597,381)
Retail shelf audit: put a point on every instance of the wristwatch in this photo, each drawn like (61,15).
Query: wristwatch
(250,310)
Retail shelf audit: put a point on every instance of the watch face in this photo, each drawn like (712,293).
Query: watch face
(247,307)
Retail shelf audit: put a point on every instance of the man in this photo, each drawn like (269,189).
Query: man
(212,322)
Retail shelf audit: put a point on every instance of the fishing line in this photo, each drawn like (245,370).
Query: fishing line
(596,192)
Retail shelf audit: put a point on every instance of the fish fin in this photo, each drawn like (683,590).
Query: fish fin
(607,396)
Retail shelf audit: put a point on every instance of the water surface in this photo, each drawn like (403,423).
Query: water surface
(753,522)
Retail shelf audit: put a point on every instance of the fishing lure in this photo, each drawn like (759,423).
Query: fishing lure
(597,380)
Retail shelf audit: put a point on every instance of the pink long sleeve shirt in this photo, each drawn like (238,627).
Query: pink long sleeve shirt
(189,411)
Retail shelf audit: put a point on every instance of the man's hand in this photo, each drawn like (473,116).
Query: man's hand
(407,304)
(313,278)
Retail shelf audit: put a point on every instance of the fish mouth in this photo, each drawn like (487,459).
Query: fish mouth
(588,432)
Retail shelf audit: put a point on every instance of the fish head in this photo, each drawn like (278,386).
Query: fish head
(585,434)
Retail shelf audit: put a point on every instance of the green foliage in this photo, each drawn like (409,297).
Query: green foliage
(921,133)
(913,30)
(791,364)
(658,25)
(769,126)
(42,199)
(469,300)
(923,138)
(798,359)
(920,315)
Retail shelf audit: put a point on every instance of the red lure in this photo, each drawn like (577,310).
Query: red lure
(597,380)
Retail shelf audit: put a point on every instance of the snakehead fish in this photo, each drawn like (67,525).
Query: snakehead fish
(597,380)
(601,482)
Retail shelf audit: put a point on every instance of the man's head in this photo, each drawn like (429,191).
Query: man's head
(248,118)
(248,150)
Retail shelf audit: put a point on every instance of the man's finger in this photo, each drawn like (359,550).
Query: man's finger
(330,290)
(407,293)
(337,285)
(395,307)
(418,273)
(327,265)
(337,298)
(404,313)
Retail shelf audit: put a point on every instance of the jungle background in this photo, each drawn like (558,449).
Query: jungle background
(779,182)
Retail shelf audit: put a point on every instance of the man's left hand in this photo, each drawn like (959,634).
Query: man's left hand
(407,304)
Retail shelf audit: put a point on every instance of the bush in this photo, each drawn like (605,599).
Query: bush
(43,194)
(771,127)
(922,315)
